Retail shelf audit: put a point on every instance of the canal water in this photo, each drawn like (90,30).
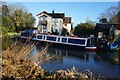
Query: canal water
(101,63)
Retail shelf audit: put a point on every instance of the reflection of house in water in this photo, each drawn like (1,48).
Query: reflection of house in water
(59,53)
(106,57)
(58,57)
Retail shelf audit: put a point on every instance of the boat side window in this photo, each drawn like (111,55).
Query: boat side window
(76,41)
(39,36)
(64,39)
(51,38)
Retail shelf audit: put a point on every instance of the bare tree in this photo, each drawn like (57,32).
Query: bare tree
(109,13)
(17,6)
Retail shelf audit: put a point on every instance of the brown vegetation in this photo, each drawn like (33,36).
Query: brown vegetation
(16,62)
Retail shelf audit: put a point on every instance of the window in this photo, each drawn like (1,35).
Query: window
(43,18)
(56,21)
(64,40)
(76,41)
(39,36)
(44,27)
(51,38)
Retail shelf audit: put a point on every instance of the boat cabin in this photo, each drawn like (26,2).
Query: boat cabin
(62,39)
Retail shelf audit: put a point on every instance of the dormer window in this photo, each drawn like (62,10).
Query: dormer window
(43,18)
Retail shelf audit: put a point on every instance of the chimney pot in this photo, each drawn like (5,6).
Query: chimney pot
(52,11)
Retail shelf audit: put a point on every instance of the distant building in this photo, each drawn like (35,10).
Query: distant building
(107,30)
(110,30)
(53,22)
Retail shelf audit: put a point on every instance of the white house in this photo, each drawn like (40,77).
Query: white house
(53,22)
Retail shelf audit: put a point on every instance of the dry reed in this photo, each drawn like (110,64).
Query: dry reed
(17,63)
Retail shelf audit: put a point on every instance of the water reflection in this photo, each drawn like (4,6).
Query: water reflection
(100,63)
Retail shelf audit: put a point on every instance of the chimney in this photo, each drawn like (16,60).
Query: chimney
(52,11)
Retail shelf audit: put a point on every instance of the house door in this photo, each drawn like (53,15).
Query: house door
(44,28)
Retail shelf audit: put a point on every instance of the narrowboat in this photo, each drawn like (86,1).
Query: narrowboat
(91,48)
(75,41)
(65,40)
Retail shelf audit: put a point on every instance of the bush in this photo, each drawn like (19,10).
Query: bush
(5,42)
(84,29)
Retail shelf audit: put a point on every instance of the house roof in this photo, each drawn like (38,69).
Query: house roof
(57,15)
(67,20)
(53,15)
(105,26)
(42,12)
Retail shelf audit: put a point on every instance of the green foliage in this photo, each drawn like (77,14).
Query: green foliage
(56,32)
(64,32)
(22,20)
(5,10)
(7,24)
(5,42)
(16,19)
(84,29)
(4,30)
